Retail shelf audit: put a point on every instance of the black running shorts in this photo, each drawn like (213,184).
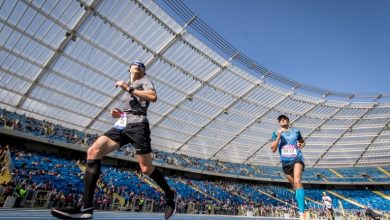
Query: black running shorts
(138,134)
(289,169)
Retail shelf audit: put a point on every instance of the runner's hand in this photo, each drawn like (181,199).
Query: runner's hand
(122,84)
(116,113)
(280,131)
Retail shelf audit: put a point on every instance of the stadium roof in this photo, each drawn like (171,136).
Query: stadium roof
(60,61)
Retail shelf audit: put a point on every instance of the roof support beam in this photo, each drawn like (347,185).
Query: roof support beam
(220,113)
(53,59)
(327,150)
(49,104)
(372,141)
(249,124)
(50,69)
(77,126)
(194,91)
(48,88)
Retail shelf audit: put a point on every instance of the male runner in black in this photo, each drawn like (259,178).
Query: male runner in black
(132,127)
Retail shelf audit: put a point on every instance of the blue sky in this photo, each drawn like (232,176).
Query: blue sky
(340,45)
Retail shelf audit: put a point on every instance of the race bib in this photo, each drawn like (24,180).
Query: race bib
(122,122)
(289,151)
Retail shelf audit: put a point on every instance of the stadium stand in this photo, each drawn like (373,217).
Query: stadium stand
(124,188)
(59,133)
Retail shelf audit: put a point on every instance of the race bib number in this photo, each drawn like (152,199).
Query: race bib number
(122,122)
(289,151)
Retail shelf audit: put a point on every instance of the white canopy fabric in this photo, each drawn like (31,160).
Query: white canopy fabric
(60,60)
